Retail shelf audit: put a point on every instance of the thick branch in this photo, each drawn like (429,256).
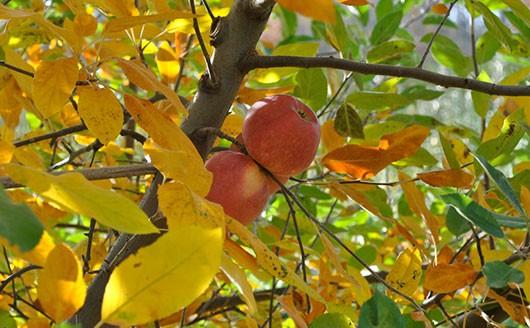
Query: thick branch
(254,61)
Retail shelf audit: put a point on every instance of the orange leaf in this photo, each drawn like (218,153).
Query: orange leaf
(447,178)
(287,303)
(365,162)
(331,140)
(516,310)
(416,200)
(61,289)
(355,192)
(446,278)
(317,9)
(354,2)
(439,9)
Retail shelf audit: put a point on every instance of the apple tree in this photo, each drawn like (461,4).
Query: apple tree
(409,209)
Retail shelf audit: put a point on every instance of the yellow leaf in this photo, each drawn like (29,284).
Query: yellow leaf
(406,273)
(269,261)
(238,277)
(360,286)
(53,83)
(72,192)
(232,125)
(163,277)
(416,201)
(525,199)
(517,310)
(39,253)
(138,74)
(180,165)
(101,112)
(123,23)
(331,140)
(182,207)
(241,256)
(249,96)
(167,61)
(323,10)
(185,25)
(13,58)
(6,151)
(85,24)
(525,267)
(440,9)
(61,288)
(446,278)
(117,8)
(447,178)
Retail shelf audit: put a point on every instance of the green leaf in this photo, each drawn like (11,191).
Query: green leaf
(348,123)
(420,92)
(447,53)
(474,213)
(332,320)
(386,27)
(377,100)
(18,224)
(311,87)
(380,312)
(6,321)
(366,253)
(481,101)
(495,26)
(519,23)
(487,46)
(499,274)
(502,182)
(420,158)
(449,152)
(520,9)
(388,50)
(455,222)
(498,149)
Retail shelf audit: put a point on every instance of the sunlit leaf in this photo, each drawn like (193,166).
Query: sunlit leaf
(61,288)
(18,224)
(239,279)
(53,83)
(72,192)
(330,139)
(446,278)
(122,23)
(140,75)
(380,311)
(317,9)
(499,274)
(311,87)
(406,272)
(447,178)
(163,277)
(117,8)
(101,111)
(85,24)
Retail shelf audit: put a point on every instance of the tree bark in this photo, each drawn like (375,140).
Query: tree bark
(235,36)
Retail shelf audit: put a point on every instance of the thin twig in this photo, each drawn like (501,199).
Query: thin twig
(211,73)
(52,135)
(14,275)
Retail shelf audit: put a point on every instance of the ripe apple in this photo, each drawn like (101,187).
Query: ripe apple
(282,134)
(239,185)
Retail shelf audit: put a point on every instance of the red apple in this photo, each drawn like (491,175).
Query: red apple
(282,134)
(239,185)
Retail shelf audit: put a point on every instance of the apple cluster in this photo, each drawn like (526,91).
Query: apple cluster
(281,134)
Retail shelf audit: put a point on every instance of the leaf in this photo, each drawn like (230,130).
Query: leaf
(318,9)
(85,24)
(446,278)
(369,198)
(181,166)
(474,213)
(123,23)
(18,224)
(53,83)
(447,178)
(364,162)
(386,27)
(370,100)
(388,50)
(380,312)
(311,87)
(499,274)
(520,9)
(481,101)
(182,207)
(239,279)
(159,280)
(495,25)
(416,200)
(332,320)
(101,112)
(449,152)
(440,9)
(354,2)
(61,290)
(330,139)
(502,182)
(456,223)
(498,149)
(73,193)
(348,123)
(447,53)
(406,273)
(138,74)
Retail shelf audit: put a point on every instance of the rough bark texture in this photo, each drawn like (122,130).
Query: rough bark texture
(236,37)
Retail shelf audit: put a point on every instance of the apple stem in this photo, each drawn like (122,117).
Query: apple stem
(205,132)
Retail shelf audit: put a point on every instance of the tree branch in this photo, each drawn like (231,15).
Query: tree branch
(253,61)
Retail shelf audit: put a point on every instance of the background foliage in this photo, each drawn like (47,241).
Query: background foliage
(413,214)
